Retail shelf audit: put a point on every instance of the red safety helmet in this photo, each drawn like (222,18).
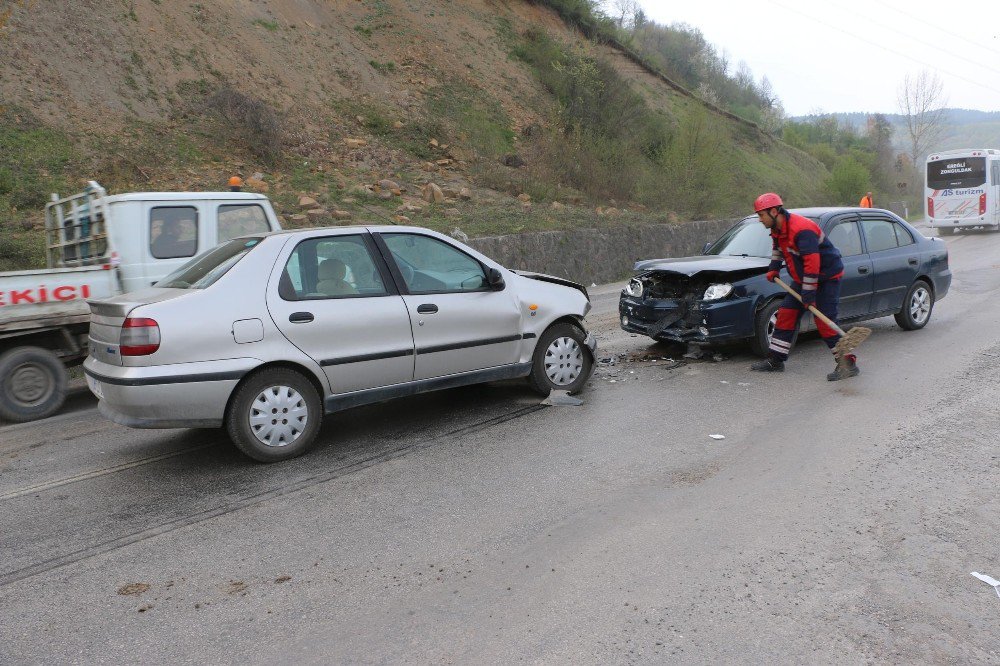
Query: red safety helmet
(768,200)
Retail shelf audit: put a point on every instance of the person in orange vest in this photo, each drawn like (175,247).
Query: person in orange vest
(866,201)
(235,184)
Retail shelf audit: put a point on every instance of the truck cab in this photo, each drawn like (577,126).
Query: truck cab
(164,230)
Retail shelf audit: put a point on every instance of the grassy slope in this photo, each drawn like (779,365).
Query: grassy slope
(444,72)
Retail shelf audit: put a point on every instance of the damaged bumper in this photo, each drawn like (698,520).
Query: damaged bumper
(689,320)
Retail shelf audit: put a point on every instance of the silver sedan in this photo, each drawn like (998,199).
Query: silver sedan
(265,334)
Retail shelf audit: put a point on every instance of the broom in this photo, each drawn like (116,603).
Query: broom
(848,342)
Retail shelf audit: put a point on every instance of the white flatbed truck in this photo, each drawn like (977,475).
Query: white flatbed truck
(98,246)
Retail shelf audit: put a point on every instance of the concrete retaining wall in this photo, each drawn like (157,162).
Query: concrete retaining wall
(598,255)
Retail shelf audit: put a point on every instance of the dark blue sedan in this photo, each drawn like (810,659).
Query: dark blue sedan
(722,297)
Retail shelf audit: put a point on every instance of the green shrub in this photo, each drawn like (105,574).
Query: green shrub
(473,118)
(270,26)
(848,180)
(20,251)
(585,15)
(383,67)
(33,161)
(249,121)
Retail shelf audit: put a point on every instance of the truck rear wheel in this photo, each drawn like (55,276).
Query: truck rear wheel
(32,384)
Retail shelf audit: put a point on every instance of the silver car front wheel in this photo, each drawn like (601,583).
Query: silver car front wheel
(561,360)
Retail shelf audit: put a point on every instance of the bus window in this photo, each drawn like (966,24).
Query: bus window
(956,172)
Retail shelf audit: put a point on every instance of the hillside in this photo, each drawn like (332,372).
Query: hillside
(542,128)
(963,128)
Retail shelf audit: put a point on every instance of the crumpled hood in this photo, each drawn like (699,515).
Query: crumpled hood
(553,279)
(691,266)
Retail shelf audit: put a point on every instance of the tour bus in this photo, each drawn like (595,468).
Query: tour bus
(963,189)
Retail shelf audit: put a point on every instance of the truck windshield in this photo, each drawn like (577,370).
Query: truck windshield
(205,269)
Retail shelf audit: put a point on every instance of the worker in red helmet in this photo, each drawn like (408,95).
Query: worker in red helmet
(815,267)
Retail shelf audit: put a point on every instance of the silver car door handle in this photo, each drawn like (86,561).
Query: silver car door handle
(301,317)
(427,308)
(863,270)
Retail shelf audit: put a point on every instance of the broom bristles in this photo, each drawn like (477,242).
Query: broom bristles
(850,341)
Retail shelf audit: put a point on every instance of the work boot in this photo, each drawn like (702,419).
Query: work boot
(769,364)
(849,368)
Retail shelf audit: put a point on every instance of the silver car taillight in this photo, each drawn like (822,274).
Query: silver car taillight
(140,337)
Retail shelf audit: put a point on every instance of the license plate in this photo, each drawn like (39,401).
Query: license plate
(95,387)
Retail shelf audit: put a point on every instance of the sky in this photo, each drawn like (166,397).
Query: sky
(849,55)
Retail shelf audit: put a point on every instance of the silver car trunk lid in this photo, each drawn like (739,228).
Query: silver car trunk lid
(108,315)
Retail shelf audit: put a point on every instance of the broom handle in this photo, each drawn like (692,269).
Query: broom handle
(829,322)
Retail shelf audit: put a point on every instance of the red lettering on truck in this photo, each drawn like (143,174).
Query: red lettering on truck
(43,294)
(64,293)
(22,295)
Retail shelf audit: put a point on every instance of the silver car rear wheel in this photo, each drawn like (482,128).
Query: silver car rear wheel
(278,416)
(275,414)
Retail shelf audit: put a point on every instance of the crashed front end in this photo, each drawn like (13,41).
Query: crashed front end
(708,307)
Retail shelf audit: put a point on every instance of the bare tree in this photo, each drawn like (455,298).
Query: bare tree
(626,13)
(921,102)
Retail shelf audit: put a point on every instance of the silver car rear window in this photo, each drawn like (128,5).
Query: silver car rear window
(205,269)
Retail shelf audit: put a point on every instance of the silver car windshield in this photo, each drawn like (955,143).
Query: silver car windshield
(205,269)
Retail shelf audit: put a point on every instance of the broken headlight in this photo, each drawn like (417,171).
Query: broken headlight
(717,291)
(634,288)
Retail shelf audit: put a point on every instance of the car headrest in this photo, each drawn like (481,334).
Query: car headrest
(332,269)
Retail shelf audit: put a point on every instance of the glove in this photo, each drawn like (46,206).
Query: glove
(771,275)
(808,298)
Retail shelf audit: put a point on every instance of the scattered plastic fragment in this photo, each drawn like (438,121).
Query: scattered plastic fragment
(988,580)
(723,381)
(718,358)
(717,436)
(743,384)
(562,399)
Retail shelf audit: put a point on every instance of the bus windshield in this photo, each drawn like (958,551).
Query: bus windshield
(956,172)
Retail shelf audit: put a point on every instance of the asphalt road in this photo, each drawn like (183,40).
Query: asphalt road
(835,522)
